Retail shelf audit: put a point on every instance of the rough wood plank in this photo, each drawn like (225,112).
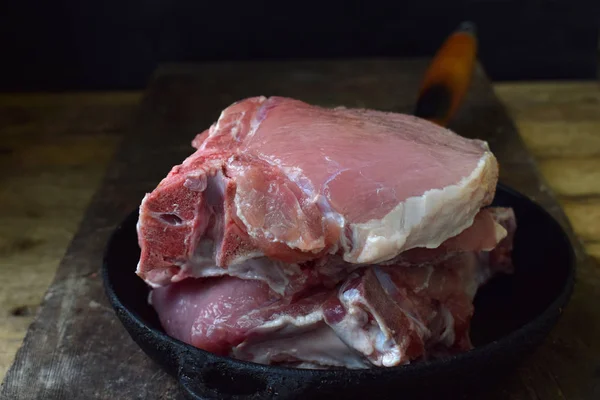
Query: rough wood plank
(585,217)
(556,119)
(77,349)
(593,250)
(558,93)
(53,154)
(559,138)
(560,125)
(573,177)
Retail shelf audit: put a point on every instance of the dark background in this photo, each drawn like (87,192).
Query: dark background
(112,44)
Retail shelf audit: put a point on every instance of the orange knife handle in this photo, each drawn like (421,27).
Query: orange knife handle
(448,77)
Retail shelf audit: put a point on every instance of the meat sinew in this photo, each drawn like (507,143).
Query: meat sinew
(324,237)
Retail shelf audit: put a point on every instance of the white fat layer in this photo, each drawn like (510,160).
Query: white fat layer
(422,221)
(304,338)
(284,320)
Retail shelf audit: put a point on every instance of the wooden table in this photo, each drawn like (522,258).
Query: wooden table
(62,144)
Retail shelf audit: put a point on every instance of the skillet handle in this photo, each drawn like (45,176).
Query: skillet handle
(207,380)
(448,77)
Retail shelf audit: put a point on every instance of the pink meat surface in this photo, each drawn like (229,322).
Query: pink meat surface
(379,315)
(287,193)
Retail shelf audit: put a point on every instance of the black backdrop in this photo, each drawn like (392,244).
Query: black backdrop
(108,44)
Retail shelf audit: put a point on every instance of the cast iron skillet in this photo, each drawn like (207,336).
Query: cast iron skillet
(513,314)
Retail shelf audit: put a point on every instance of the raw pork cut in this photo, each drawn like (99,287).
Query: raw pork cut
(318,238)
(380,315)
(278,180)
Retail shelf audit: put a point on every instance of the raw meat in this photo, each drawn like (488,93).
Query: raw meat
(320,238)
(286,193)
(379,315)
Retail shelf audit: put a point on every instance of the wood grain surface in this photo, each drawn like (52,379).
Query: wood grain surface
(560,123)
(54,150)
(77,349)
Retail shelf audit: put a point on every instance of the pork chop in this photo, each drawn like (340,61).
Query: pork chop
(276,179)
(378,315)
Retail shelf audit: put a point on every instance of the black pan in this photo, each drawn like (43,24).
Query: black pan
(513,314)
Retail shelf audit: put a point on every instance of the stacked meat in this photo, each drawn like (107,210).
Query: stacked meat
(318,237)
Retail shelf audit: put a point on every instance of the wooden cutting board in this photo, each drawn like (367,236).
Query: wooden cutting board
(76,347)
